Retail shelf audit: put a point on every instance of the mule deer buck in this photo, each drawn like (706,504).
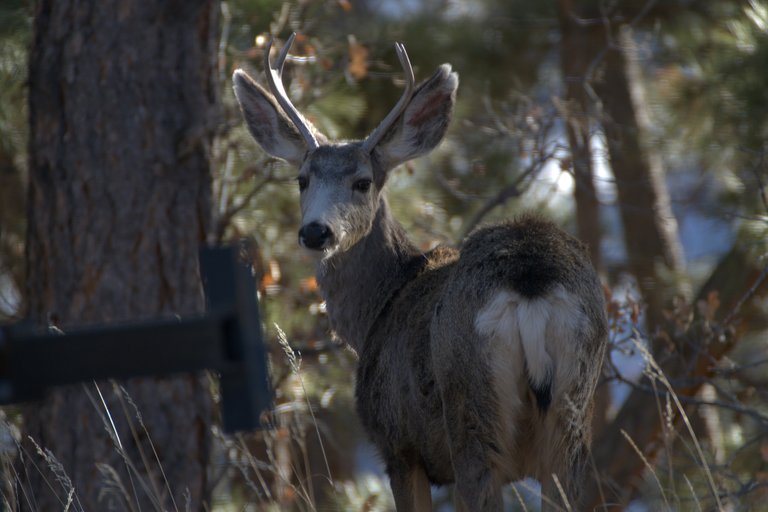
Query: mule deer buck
(477,365)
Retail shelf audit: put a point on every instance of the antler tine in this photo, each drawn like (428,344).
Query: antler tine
(380,130)
(275,82)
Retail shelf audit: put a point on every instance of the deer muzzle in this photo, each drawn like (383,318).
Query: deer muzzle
(315,236)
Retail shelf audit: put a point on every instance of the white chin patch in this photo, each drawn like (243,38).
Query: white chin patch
(341,241)
(330,251)
(339,245)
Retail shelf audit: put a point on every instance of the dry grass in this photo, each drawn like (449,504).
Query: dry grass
(277,468)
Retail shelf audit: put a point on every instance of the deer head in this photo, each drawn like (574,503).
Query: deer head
(341,182)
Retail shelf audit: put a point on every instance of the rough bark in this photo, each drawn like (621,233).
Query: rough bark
(122,105)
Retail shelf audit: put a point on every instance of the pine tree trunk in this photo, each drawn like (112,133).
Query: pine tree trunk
(654,251)
(600,53)
(122,103)
(578,49)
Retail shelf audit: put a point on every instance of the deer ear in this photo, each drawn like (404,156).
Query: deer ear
(266,121)
(424,121)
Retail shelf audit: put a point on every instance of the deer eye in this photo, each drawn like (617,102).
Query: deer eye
(303,182)
(362,185)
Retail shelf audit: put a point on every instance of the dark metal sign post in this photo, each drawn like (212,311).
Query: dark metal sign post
(228,339)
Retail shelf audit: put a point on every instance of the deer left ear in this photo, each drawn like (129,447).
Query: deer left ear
(424,121)
(266,121)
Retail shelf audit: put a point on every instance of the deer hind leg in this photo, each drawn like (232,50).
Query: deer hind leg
(569,469)
(410,488)
(468,414)
(478,381)
(477,486)
(564,496)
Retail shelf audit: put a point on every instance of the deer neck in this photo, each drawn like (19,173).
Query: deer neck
(358,283)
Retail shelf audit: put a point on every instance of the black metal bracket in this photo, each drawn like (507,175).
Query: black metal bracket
(228,340)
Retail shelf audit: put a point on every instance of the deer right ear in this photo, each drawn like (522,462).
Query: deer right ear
(266,121)
(424,120)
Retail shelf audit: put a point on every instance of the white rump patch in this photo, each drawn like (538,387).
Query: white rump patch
(543,327)
(497,316)
(532,320)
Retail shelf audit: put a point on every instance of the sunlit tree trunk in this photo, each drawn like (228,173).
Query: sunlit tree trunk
(122,101)
(654,251)
(578,49)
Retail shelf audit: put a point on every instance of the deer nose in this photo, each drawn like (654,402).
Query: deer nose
(315,236)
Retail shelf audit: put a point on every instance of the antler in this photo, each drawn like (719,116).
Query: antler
(275,82)
(380,130)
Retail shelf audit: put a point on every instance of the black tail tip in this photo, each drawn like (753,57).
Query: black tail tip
(543,394)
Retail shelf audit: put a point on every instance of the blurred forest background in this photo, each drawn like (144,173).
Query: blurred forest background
(641,126)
